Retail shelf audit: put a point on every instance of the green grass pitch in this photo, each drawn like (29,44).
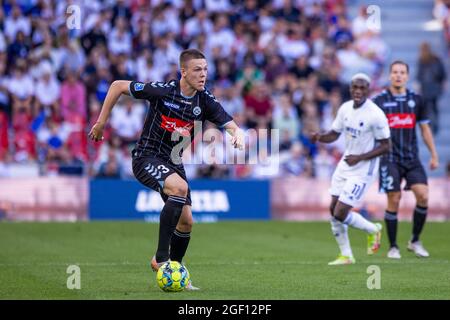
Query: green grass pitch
(227,260)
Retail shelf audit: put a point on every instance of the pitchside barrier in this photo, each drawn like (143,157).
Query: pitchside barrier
(75,199)
(212,200)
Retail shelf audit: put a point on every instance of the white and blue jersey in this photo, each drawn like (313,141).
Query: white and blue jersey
(361,128)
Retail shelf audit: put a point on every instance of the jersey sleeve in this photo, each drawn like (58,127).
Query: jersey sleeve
(214,111)
(380,126)
(378,100)
(338,123)
(140,90)
(422,111)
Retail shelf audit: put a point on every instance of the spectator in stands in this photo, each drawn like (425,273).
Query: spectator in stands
(127,121)
(16,22)
(258,105)
(298,163)
(51,138)
(120,38)
(73,97)
(19,48)
(257,52)
(222,36)
(285,118)
(4,139)
(441,11)
(301,69)
(431,76)
(110,169)
(275,68)
(359,24)
(47,90)
(323,163)
(5,104)
(21,87)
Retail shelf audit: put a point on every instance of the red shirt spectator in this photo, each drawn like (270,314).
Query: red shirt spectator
(258,100)
(73,98)
(3,134)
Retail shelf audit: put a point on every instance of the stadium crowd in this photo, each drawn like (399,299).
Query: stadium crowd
(277,64)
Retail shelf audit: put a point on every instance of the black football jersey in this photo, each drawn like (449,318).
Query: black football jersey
(170,112)
(403,113)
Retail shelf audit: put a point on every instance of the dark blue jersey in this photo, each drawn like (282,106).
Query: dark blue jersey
(403,113)
(172,115)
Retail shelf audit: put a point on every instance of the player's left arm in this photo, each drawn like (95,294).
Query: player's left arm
(427,136)
(382,134)
(424,120)
(382,147)
(217,115)
(236,133)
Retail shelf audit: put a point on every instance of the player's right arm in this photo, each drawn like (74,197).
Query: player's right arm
(136,89)
(116,89)
(336,128)
(326,137)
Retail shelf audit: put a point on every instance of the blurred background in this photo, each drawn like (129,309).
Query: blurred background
(282,64)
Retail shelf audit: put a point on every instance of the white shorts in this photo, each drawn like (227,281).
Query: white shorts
(350,189)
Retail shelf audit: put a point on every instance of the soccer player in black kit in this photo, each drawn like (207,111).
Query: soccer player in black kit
(404,109)
(174,106)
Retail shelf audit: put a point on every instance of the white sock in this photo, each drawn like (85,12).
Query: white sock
(357,221)
(341,235)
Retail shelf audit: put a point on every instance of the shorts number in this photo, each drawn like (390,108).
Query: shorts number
(163,168)
(388,183)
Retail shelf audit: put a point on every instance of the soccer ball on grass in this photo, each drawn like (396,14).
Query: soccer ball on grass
(172,276)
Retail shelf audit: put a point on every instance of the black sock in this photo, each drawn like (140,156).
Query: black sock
(168,220)
(179,245)
(390,218)
(420,216)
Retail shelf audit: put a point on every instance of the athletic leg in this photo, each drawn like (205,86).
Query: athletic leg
(181,235)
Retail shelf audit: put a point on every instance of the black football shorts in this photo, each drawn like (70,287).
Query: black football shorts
(392,174)
(152,172)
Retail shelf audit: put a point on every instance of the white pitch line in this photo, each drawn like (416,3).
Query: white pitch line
(237,263)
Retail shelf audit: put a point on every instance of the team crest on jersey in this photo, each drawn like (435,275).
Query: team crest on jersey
(196,111)
(411,103)
(138,86)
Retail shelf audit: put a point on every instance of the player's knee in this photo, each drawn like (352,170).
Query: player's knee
(340,214)
(394,199)
(179,188)
(422,199)
(185,225)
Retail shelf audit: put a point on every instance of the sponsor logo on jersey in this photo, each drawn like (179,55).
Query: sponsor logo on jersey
(402,120)
(157,84)
(186,102)
(354,133)
(196,111)
(138,86)
(172,124)
(171,105)
(390,104)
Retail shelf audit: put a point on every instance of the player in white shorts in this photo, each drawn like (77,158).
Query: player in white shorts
(367,136)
